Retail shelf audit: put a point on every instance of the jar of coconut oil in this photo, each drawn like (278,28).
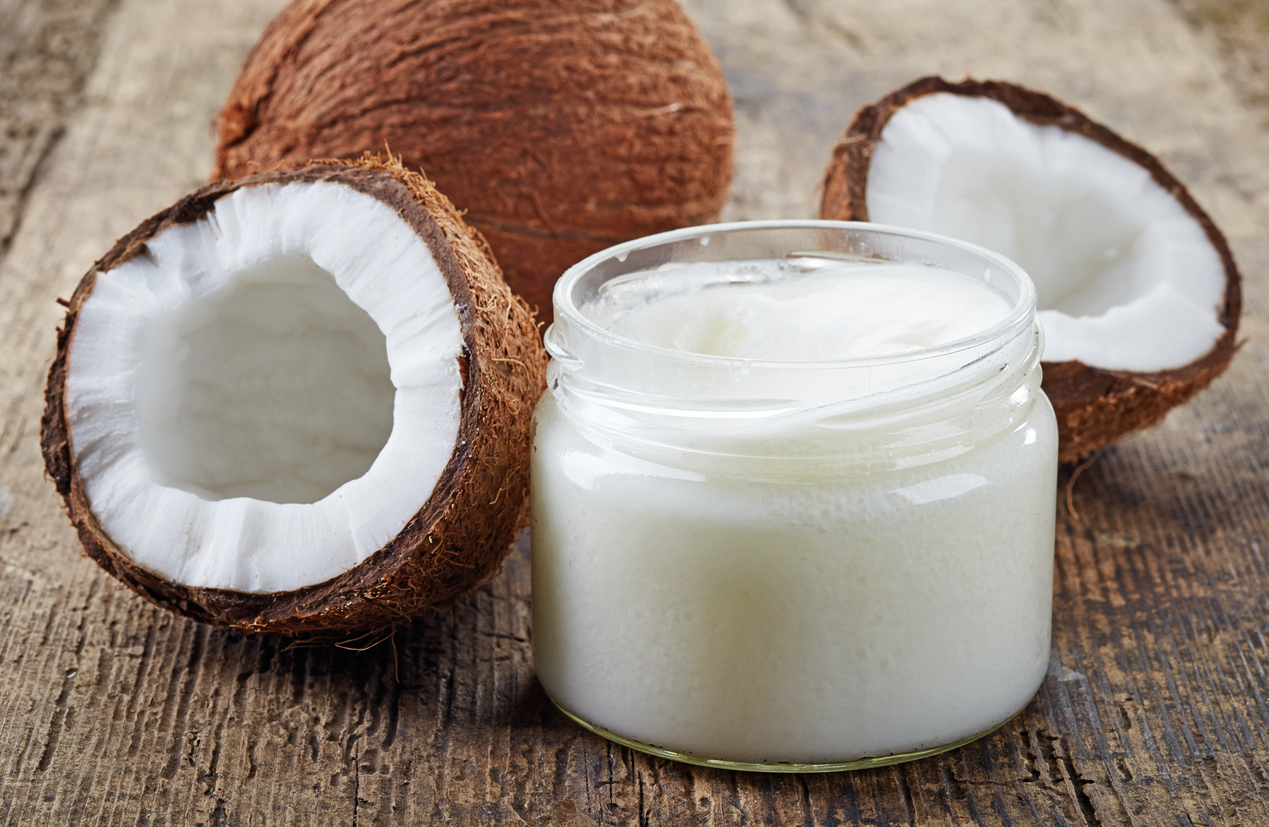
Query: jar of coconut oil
(793,496)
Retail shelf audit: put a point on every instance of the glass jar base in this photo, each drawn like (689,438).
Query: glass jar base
(838,766)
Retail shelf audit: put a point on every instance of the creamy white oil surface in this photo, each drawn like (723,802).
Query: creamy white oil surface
(837,311)
(749,599)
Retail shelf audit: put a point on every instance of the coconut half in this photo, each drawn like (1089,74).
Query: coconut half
(1139,296)
(297,403)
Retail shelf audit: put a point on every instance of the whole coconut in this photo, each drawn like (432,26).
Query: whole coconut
(559,127)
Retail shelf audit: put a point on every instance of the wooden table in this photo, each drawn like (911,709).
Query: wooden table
(1156,706)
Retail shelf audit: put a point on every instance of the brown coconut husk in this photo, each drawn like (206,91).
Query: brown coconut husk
(1094,406)
(559,128)
(458,538)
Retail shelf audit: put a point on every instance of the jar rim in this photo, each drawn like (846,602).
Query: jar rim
(1021,315)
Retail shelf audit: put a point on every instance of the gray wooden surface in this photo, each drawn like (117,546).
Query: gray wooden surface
(1156,708)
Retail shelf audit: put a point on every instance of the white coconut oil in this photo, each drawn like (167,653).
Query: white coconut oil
(794,511)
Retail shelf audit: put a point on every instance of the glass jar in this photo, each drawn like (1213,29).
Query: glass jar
(790,566)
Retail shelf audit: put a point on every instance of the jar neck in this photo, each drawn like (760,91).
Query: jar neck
(686,407)
(754,417)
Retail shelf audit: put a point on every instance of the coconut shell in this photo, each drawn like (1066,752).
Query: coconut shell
(458,538)
(560,128)
(1094,406)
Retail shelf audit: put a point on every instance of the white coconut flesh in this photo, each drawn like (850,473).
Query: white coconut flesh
(267,396)
(1127,279)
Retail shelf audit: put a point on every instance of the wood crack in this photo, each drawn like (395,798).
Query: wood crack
(181,690)
(41,86)
(58,723)
(909,804)
(61,705)
(356,789)
(13,198)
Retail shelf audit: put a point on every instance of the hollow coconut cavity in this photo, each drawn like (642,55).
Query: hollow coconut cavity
(297,403)
(1138,293)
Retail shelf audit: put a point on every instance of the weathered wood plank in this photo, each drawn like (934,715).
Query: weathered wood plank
(46,52)
(1237,30)
(1156,708)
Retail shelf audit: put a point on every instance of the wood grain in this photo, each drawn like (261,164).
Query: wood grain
(1156,707)
(46,52)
